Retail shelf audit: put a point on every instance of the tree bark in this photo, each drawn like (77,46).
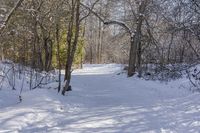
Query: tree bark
(71,51)
(136,40)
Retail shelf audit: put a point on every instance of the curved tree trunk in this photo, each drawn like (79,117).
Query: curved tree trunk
(72,43)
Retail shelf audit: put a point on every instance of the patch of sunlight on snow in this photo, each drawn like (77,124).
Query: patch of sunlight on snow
(92,124)
(98,69)
(167,131)
(196,124)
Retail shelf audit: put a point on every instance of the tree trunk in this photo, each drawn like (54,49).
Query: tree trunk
(72,50)
(99,43)
(139,60)
(2,53)
(136,40)
(132,58)
(58,56)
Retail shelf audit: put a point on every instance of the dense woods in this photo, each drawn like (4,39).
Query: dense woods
(64,34)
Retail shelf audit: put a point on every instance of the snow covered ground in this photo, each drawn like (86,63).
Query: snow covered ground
(104,102)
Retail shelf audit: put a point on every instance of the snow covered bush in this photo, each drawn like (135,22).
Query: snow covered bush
(163,73)
(193,75)
(16,76)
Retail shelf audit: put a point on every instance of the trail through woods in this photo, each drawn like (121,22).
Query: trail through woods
(104,102)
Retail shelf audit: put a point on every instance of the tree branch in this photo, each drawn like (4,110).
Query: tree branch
(10,15)
(110,22)
(89,11)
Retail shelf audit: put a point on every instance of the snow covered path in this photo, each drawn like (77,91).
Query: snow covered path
(103,102)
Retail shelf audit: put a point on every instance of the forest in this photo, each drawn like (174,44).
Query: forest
(77,58)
